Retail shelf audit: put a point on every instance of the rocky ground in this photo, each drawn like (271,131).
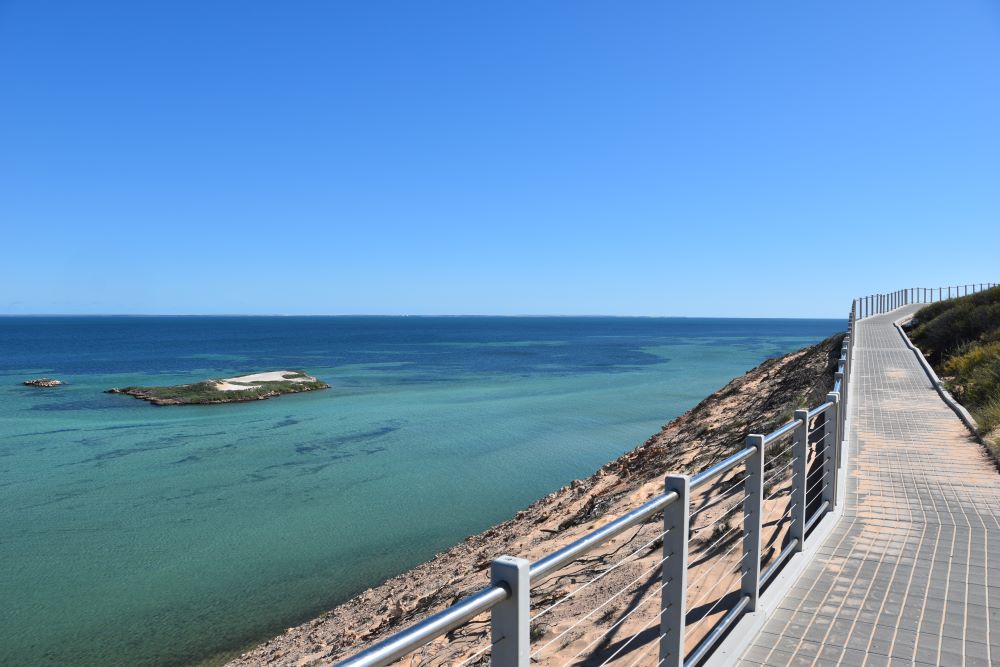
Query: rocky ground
(611,612)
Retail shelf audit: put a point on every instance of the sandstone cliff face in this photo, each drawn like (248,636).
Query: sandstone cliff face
(756,402)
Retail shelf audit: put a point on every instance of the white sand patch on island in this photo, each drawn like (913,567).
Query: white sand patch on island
(271,376)
(224,385)
(244,382)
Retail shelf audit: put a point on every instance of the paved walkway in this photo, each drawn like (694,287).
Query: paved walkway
(911,574)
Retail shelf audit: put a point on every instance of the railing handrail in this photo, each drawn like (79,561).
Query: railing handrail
(545,566)
(432,627)
(877,304)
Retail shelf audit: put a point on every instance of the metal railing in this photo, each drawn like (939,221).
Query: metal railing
(806,471)
(876,304)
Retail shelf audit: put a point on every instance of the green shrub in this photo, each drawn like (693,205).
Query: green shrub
(975,373)
(945,326)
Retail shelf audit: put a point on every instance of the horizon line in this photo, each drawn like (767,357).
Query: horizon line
(428,315)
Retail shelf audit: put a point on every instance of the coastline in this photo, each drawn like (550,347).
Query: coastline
(759,399)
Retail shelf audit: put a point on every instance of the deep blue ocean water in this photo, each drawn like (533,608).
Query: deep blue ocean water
(142,535)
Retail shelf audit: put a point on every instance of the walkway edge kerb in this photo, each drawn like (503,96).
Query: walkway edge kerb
(957,408)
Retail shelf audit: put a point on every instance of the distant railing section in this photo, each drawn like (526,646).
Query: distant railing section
(876,304)
(787,477)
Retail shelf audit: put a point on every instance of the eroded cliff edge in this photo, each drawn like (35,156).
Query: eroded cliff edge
(757,402)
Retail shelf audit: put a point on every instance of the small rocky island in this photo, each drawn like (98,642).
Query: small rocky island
(253,387)
(43,382)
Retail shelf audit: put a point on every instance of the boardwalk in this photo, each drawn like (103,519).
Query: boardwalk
(911,575)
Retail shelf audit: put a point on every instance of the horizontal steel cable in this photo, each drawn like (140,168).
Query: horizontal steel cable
(600,606)
(481,651)
(816,481)
(819,440)
(781,489)
(617,623)
(708,593)
(810,489)
(782,452)
(719,499)
(643,654)
(788,509)
(778,471)
(721,538)
(702,576)
(721,516)
(711,609)
(603,574)
(656,619)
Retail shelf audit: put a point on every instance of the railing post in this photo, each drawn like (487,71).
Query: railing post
(753,520)
(831,491)
(673,600)
(845,354)
(800,450)
(841,413)
(509,621)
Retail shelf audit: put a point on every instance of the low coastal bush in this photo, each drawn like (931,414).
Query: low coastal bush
(942,329)
(961,338)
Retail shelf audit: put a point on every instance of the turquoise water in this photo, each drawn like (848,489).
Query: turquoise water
(139,535)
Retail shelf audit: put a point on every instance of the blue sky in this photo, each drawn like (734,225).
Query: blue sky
(641,158)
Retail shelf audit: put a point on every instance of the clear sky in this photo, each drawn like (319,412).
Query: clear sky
(648,158)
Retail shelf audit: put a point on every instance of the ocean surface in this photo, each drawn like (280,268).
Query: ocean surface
(139,535)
